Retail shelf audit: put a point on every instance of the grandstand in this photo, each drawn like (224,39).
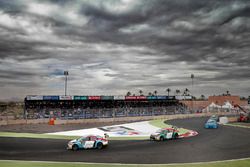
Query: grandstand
(87,107)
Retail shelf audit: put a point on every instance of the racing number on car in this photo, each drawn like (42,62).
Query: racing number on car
(89,144)
(169,135)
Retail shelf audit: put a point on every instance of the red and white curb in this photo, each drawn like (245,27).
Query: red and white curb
(190,133)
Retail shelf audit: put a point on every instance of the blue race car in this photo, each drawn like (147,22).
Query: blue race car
(211,124)
(215,117)
(85,142)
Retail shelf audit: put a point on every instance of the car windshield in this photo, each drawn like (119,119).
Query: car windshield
(159,131)
(82,138)
(211,121)
(214,116)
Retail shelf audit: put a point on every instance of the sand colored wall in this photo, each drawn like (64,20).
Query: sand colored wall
(196,104)
(220,100)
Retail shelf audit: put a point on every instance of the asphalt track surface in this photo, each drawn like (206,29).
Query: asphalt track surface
(223,143)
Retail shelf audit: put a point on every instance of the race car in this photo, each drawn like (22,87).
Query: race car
(211,124)
(215,117)
(165,133)
(90,141)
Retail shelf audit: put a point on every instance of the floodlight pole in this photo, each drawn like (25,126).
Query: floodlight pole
(192,77)
(66,73)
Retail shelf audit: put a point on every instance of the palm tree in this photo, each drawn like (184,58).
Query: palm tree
(128,93)
(177,91)
(192,77)
(186,92)
(150,94)
(155,92)
(203,97)
(243,98)
(228,94)
(168,90)
(140,92)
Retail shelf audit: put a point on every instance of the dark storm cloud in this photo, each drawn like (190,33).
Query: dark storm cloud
(16,78)
(192,45)
(128,44)
(19,84)
(21,50)
(15,74)
(12,6)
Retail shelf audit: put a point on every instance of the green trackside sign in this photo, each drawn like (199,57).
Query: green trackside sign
(80,97)
(151,97)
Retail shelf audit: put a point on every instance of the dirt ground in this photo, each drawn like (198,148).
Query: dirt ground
(45,128)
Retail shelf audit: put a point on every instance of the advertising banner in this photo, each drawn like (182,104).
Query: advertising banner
(183,97)
(94,97)
(65,97)
(80,97)
(187,97)
(170,97)
(107,97)
(151,97)
(135,97)
(130,97)
(161,97)
(50,97)
(119,97)
(141,97)
(120,131)
(34,97)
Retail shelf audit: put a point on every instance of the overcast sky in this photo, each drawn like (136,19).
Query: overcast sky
(114,46)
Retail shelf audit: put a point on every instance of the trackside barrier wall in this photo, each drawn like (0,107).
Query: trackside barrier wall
(118,119)
(232,119)
(23,121)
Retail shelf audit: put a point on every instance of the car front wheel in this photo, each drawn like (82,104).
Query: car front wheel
(99,145)
(176,136)
(75,147)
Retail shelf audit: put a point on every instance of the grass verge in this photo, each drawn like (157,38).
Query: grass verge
(230,163)
(237,125)
(48,136)
(160,123)
(34,135)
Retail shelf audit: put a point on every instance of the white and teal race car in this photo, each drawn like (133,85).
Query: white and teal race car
(164,134)
(86,142)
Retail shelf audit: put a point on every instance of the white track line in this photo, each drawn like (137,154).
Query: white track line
(92,163)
